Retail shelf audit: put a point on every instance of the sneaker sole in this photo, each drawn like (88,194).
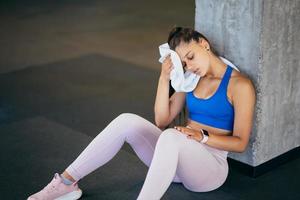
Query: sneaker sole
(71,196)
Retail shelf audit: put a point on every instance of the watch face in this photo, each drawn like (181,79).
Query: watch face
(205,132)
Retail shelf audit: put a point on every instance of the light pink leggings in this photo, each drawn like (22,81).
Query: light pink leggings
(169,154)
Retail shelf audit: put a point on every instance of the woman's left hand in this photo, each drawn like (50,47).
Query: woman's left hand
(191,133)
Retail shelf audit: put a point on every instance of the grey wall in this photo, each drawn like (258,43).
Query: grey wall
(262,39)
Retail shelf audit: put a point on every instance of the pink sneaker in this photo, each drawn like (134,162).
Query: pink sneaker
(57,190)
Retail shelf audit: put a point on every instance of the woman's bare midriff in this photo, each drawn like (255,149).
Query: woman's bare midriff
(211,130)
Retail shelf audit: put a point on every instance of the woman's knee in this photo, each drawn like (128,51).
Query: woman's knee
(134,124)
(122,123)
(169,136)
(127,117)
(129,120)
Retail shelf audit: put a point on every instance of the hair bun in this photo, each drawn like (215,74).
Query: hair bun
(174,32)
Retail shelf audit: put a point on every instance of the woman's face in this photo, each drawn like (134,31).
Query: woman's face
(194,56)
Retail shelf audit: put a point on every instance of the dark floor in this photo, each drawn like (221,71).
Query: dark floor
(61,84)
(50,113)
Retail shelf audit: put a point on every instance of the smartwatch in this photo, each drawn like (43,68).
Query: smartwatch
(205,135)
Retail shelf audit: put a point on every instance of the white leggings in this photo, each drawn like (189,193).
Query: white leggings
(169,154)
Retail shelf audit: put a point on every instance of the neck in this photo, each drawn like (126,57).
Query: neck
(216,67)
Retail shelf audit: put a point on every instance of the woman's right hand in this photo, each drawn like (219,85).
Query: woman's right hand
(166,68)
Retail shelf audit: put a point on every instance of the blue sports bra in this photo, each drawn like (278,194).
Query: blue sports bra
(216,111)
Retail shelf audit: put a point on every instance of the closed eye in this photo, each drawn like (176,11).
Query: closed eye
(190,58)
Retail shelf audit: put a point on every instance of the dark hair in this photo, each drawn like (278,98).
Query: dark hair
(176,36)
(179,34)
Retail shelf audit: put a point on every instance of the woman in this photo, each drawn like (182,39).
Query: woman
(220,118)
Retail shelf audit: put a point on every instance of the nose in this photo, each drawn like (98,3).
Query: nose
(187,65)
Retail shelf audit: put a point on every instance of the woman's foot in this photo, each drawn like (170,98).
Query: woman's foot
(57,190)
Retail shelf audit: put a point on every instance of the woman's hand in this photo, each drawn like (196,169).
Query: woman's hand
(166,68)
(191,133)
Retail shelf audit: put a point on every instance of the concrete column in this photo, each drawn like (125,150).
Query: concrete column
(262,38)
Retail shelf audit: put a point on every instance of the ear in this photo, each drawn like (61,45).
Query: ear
(202,42)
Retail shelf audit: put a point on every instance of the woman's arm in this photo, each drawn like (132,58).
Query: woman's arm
(165,108)
(161,105)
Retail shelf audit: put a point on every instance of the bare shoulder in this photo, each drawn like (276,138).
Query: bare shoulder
(242,86)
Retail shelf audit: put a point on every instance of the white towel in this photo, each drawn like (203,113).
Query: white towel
(182,82)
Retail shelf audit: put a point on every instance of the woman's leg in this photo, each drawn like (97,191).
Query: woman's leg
(141,134)
(138,132)
(199,168)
